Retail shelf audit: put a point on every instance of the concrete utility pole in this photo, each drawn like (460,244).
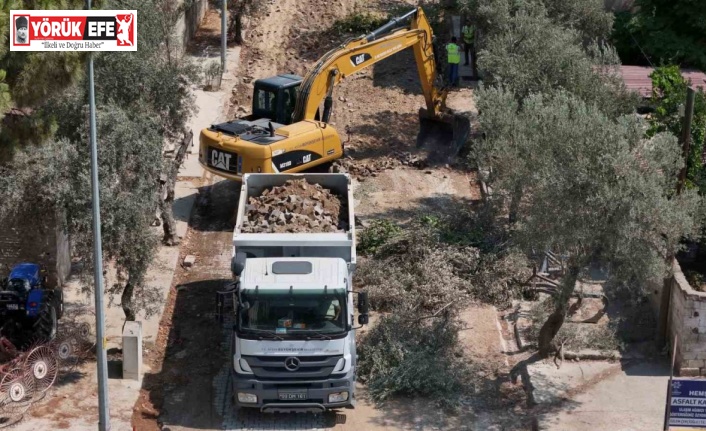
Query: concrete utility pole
(102,360)
(224,33)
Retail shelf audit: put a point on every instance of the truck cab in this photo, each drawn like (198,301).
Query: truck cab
(293,343)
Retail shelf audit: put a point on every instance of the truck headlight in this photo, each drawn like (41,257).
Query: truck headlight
(244,365)
(244,397)
(340,365)
(337,397)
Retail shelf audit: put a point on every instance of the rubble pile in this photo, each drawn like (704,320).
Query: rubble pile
(298,207)
(362,169)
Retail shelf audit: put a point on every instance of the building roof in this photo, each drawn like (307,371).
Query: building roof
(637,78)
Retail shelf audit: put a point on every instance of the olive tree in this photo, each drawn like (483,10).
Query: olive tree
(239,9)
(530,52)
(585,185)
(588,17)
(27,79)
(142,100)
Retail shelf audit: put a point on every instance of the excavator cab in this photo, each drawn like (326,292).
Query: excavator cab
(274,98)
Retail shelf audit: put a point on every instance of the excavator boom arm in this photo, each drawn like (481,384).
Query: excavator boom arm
(360,53)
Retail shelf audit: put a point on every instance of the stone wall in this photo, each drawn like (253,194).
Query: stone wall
(187,25)
(687,323)
(28,239)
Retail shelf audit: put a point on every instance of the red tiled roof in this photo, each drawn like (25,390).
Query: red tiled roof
(637,78)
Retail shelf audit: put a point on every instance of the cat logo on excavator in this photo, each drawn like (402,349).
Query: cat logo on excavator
(359,59)
(288,132)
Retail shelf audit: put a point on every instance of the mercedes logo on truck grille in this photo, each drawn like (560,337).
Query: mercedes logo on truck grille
(291,364)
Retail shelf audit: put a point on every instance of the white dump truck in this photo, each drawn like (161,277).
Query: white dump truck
(293,342)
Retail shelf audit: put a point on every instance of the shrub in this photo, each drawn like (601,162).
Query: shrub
(413,267)
(403,355)
(378,233)
(212,75)
(358,23)
(416,265)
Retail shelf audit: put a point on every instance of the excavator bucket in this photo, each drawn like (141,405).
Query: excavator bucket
(442,136)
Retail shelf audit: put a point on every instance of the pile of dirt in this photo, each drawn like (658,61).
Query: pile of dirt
(299,207)
(371,168)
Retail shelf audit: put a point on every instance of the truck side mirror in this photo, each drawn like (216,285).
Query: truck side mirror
(363,319)
(237,265)
(363,303)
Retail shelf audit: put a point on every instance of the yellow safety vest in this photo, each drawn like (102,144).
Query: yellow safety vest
(468,33)
(454,54)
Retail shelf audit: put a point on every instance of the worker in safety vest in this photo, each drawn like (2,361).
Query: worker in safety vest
(469,35)
(453,52)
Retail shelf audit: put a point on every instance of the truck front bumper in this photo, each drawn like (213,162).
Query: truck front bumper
(317,393)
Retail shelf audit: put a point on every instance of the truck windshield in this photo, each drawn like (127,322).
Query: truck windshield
(298,314)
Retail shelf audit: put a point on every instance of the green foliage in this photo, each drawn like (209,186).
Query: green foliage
(31,77)
(587,18)
(624,40)
(414,267)
(668,31)
(526,50)
(130,162)
(378,233)
(586,184)
(358,23)
(696,280)
(431,263)
(669,94)
(363,22)
(143,101)
(212,75)
(405,355)
(467,227)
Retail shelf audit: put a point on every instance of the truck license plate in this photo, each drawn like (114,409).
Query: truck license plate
(12,307)
(299,395)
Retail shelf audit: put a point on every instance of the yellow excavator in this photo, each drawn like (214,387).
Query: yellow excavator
(288,132)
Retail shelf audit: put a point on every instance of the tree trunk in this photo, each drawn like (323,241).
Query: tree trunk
(238,31)
(555,320)
(170,237)
(551,328)
(126,302)
(514,204)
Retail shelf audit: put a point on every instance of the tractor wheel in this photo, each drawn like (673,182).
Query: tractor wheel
(46,325)
(59,294)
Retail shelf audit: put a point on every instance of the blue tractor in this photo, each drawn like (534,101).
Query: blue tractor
(29,309)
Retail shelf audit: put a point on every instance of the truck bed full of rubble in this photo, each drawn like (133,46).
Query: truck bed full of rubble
(296,207)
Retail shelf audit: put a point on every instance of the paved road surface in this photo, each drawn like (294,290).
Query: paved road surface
(630,400)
